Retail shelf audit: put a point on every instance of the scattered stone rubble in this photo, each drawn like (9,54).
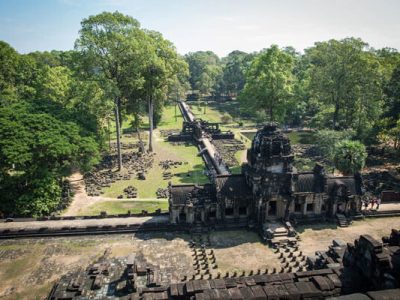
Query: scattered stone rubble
(130,192)
(227,149)
(135,164)
(168,132)
(166,165)
(367,269)
(162,193)
(127,146)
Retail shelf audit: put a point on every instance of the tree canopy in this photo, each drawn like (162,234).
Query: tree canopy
(269,83)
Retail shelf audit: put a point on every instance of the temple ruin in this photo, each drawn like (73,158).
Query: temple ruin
(268,189)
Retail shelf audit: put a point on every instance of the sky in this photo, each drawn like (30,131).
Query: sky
(217,25)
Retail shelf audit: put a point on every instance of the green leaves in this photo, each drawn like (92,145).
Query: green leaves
(345,76)
(204,67)
(41,197)
(269,83)
(35,142)
(349,156)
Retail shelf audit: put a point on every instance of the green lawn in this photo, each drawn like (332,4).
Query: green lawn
(122,207)
(169,119)
(211,115)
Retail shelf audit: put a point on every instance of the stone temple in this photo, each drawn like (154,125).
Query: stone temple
(268,189)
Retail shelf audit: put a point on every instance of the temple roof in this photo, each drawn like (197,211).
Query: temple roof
(305,183)
(232,186)
(181,194)
(308,183)
(347,181)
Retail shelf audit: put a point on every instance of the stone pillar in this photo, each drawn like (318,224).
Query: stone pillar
(305,207)
(334,207)
(190,215)
(173,215)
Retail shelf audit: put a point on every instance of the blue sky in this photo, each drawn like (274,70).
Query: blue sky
(218,25)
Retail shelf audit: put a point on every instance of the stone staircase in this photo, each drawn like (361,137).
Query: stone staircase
(342,220)
(278,234)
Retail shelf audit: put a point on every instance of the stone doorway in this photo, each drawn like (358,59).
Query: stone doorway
(272,208)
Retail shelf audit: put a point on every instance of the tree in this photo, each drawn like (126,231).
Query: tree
(346,78)
(38,148)
(349,156)
(326,141)
(204,68)
(17,75)
(269,83)
(234,71)
(161,67)
(389,133)
(54,83)
(8,72)
(108,43)
(392,93)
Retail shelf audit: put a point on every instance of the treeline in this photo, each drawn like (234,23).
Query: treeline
(336,85)
(56,107)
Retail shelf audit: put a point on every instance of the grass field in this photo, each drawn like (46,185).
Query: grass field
(171,118)
(121,207)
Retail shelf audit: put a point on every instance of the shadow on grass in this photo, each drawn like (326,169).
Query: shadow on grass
(195,175)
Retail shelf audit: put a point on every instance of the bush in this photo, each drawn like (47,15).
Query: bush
(326,140)
(349,156)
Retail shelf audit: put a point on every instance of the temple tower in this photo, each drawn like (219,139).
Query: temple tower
(269,171)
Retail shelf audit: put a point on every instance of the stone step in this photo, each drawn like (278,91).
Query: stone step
(280,234)
(280,230)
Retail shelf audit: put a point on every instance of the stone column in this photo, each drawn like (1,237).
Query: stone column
(334,207)
(305,207)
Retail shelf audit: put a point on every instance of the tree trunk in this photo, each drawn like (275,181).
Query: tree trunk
(136,125)
(151,106)
(335,116)
(119,112)
(117,124)
(269,112)
(109,133)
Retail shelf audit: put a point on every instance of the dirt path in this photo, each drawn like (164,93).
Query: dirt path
(81,199)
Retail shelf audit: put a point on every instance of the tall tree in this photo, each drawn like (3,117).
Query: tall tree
(345,76)
(162,65)
(392,93)
(204,68)
(234,71)
(269,83)
(108,43)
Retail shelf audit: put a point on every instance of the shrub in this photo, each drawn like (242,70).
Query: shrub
(327,139)
(349,156)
